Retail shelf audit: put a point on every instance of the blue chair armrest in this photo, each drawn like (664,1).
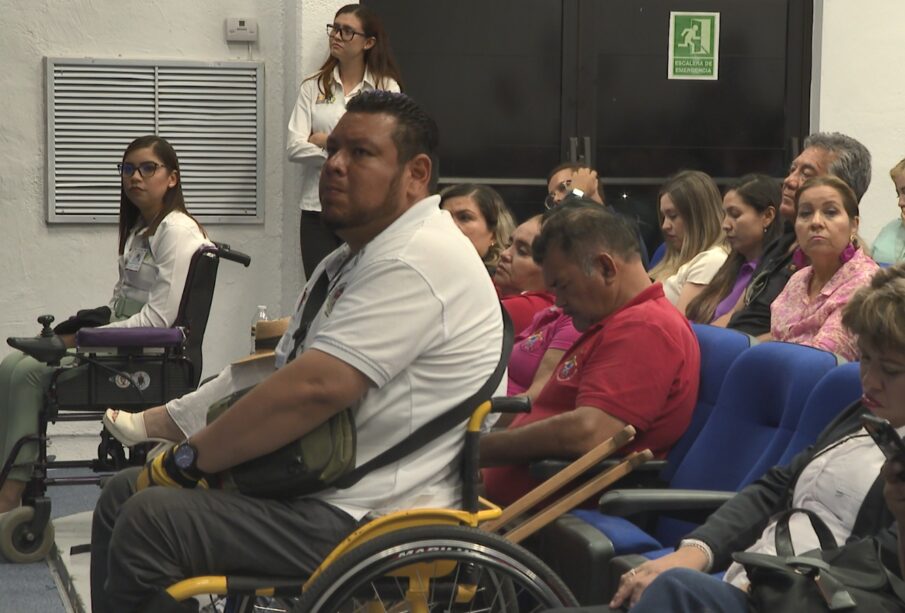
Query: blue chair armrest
(691,505)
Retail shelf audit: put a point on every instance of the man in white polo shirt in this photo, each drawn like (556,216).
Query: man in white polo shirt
(409,328)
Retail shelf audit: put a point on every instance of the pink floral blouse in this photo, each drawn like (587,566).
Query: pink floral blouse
(817,322)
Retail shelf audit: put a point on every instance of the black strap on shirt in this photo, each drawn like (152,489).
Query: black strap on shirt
(440,424)
(433,429)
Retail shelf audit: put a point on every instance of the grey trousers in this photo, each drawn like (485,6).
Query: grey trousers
(143,542)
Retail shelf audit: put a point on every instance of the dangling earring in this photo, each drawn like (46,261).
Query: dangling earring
(799,259)
(849,251)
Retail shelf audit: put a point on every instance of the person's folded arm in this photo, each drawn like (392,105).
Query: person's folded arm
(298,147)
(287,405)
(567,435)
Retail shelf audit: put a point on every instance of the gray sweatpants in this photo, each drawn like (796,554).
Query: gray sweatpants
(143,542)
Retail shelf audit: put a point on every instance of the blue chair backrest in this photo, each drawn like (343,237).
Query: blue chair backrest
(838,388)
(657,256)
(719,349)
(756,413)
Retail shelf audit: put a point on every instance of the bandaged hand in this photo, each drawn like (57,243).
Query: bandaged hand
(163,471)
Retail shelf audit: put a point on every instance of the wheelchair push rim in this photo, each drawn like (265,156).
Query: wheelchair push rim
(437,568)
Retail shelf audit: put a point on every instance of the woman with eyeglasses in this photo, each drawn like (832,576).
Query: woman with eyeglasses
(360,60)
(750,221)
(157,238)
(690,210)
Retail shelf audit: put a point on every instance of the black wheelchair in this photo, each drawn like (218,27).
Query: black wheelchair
(131,369)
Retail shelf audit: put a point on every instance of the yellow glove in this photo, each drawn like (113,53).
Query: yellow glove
(164,470)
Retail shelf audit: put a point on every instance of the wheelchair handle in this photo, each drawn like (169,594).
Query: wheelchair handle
(510,404)
(225,252)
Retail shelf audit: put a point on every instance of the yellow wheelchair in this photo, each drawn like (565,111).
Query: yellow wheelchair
(428,560)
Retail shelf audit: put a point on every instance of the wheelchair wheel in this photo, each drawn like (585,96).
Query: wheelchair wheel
(20,544)
(436,568)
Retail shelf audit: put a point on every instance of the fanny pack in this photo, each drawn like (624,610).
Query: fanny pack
(325,457)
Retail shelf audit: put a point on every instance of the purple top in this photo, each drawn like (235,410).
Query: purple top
(741,282)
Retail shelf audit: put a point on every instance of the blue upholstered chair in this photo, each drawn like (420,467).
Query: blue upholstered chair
(752,423)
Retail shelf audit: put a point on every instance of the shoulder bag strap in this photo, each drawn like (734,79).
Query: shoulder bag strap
(784,547)
(439,425)
(313,304)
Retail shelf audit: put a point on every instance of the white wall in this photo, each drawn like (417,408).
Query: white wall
(859,90)
(61,268)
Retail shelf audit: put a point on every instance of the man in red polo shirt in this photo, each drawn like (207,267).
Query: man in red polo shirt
(637,361)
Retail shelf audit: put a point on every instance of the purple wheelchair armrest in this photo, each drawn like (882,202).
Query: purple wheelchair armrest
(130,337)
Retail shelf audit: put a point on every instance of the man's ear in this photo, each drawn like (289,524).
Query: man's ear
(420,170)
(607,265)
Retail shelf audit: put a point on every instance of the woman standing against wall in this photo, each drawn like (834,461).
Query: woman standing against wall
(360,60)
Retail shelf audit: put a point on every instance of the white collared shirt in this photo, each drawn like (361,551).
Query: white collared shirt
(153,271)
(834,485)
(314,112)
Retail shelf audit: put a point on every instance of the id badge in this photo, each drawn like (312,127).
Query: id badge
(136,257)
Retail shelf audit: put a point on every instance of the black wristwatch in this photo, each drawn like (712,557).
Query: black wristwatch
(185,456)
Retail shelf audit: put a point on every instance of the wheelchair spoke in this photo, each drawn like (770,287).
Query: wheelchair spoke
(437,569)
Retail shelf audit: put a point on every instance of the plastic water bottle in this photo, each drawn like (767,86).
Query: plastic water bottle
(260,315)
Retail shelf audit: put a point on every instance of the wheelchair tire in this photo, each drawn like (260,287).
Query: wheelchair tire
(507,578)
(18,543)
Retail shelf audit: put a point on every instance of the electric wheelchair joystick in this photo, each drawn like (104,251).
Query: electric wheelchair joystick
(45,321)
(46,347)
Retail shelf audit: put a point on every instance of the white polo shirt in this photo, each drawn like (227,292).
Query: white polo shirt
(415,312)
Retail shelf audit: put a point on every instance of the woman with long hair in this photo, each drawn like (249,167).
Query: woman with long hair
(750,222)
(690,210)
(157,239)
(360,60)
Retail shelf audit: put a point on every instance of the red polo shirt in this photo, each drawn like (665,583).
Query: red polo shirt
(641,365)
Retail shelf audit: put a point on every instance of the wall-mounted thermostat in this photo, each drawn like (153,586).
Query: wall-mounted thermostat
(241,29)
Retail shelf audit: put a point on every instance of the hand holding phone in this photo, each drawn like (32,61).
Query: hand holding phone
(885,436)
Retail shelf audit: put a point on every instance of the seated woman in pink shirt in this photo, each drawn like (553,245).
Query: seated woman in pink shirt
(750,221)
(809,309)
(519,280)
(537,350)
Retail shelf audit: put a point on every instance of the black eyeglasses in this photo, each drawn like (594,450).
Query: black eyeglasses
(559,192)
(345,33)
(145,169)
